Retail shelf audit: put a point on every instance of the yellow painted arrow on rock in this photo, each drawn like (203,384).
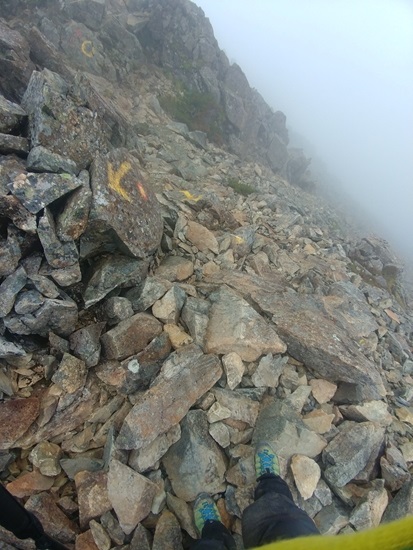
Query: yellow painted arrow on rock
(189,195)
(115,177)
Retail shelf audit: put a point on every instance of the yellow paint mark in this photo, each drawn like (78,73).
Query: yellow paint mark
(189,196)
(115,177)
(142,191)
(238,239)
(88,49)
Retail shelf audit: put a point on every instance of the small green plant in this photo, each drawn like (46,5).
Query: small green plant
(241,188)
(198,110)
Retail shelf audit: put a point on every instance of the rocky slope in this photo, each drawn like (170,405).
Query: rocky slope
(171,295)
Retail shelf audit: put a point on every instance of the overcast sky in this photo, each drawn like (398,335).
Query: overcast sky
(342,72)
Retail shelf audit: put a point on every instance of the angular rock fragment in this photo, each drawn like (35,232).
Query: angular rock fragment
(29,484)
(16,416)
(73,466)
(58,254)
(65,276)
(178,337)
(71,374)
(28,301)
(318,421)
(279,423)
(332,518)
(11,207)
(174,391)
(241,406)
(220,432)
(168,308)
(35,191)
(347,305)
(124,214)
(401,505)
(373,411)
(57,123)
(110,272)
(130,336)
(306,475)
(310,335)
(322,390)
(113,528)
(17,145)
(117,309)
(235,326)
(54,521)
(201,237)
(369,511)
(143,298)
(12,116)
(351,450)
(85,343)
(59,316)
(195,316)
(147,457)
(183,512)
(15,64)
(41,159)
(92,494)
(55,421)
(10,252)
(130,494)
(268,371)
(72,221)
(85,541)
(45,286)
(45,456)
(175,268)
(100,536)
(394,469)
(142,539)
(167,533)
(9,289)
(10,350)
(195,463)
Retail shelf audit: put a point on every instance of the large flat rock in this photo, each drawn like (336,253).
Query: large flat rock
(195,463)
(311,335)
(184,378)
(234,326)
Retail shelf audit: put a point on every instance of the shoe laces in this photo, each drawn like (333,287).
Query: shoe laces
(208,511)
(266,461)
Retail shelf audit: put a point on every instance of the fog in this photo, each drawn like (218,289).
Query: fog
(342,72)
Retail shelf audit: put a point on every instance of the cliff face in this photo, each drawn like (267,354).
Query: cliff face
(116,40)
(168,298)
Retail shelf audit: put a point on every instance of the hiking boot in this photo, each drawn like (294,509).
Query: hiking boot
(266,461)
(205,509)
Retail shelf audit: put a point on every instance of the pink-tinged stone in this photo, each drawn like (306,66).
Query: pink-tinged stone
(92,496)
(16,416)
(30,483)
(131,495)
(85,541)
(323,390)
(201,237)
